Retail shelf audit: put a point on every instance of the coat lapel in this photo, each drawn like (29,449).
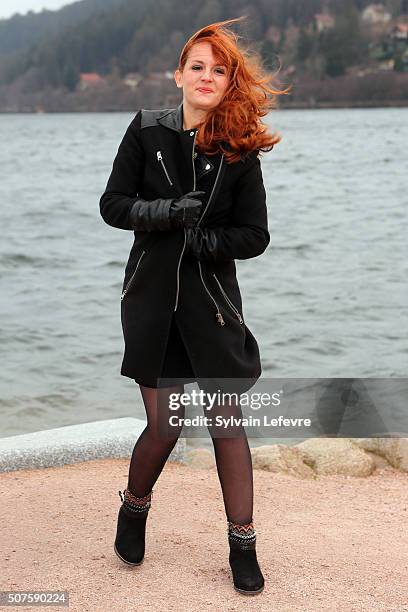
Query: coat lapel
(173,118)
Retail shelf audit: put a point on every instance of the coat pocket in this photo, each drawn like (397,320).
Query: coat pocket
(132,278)
(230,304)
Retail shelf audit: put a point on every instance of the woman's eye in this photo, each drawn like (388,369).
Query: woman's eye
(219,70)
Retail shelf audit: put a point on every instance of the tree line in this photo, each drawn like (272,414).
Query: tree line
(141,36)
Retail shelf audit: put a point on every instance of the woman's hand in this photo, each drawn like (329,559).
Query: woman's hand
(226,243)
(202,243)
(185,211)
(165,214)
(247,234)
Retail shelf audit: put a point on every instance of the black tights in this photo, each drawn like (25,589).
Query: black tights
(232,454)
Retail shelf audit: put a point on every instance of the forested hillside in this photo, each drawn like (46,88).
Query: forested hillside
(21,31)
(131,47)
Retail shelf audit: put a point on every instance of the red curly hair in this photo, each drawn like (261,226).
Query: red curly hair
(235,121)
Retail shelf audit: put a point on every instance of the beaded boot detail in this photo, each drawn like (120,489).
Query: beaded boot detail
(131,528)
(247,576)
(136,505)
(243,535)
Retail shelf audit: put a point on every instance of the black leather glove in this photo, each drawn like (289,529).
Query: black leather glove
(165,214)
(201,243)
(148,215)
(185,211)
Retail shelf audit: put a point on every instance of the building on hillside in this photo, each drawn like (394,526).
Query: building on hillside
(400,31)
(324,21)
(290,70)
(405,60)
(273,34)
(397,41)
(157,78)
(90,79)
(375,14)
(387,64)
(395,44)
(132,79)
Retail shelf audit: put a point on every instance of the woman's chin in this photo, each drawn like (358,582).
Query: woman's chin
(204,101)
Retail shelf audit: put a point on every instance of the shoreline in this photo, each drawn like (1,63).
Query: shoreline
(115,438)
(289,106)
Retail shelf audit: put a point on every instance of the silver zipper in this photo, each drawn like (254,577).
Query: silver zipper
(234,308)
(185,235)
(212,191)
(126,289)
(192,159)
(218,315)
(160,159)
(178,269)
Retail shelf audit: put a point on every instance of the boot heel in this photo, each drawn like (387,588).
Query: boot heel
(129,543)
(124,560)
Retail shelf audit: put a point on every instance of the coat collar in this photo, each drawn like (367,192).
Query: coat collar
(173,118)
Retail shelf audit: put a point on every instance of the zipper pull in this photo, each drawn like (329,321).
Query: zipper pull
(220,320)
(160,159)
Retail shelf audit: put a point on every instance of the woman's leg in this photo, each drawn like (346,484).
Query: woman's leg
(234,464)
(152,449)
(149,456)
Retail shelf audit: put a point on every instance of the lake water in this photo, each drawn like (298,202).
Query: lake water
(327,299)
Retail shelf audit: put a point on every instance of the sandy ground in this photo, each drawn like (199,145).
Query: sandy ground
(336,544)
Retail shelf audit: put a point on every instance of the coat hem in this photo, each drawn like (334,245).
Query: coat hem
(239,384)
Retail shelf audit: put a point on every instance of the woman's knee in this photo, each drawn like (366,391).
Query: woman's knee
(167,424)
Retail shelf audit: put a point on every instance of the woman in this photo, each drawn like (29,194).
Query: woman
(188,182)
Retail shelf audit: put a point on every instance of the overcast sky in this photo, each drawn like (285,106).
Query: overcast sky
(9,7)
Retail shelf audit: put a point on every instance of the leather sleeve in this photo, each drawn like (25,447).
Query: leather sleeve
(248,235)
(125,179)
(148,215)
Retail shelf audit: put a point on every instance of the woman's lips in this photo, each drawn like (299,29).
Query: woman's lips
(205,90)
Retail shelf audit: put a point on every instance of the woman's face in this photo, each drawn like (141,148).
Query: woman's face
(202,71)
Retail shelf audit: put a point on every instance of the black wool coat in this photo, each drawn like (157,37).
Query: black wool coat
(155,159)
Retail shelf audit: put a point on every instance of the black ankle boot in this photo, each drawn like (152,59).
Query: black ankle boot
(131,528)
(247,576)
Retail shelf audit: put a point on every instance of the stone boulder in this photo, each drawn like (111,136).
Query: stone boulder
(336,456)
(281,458)
(393,450)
